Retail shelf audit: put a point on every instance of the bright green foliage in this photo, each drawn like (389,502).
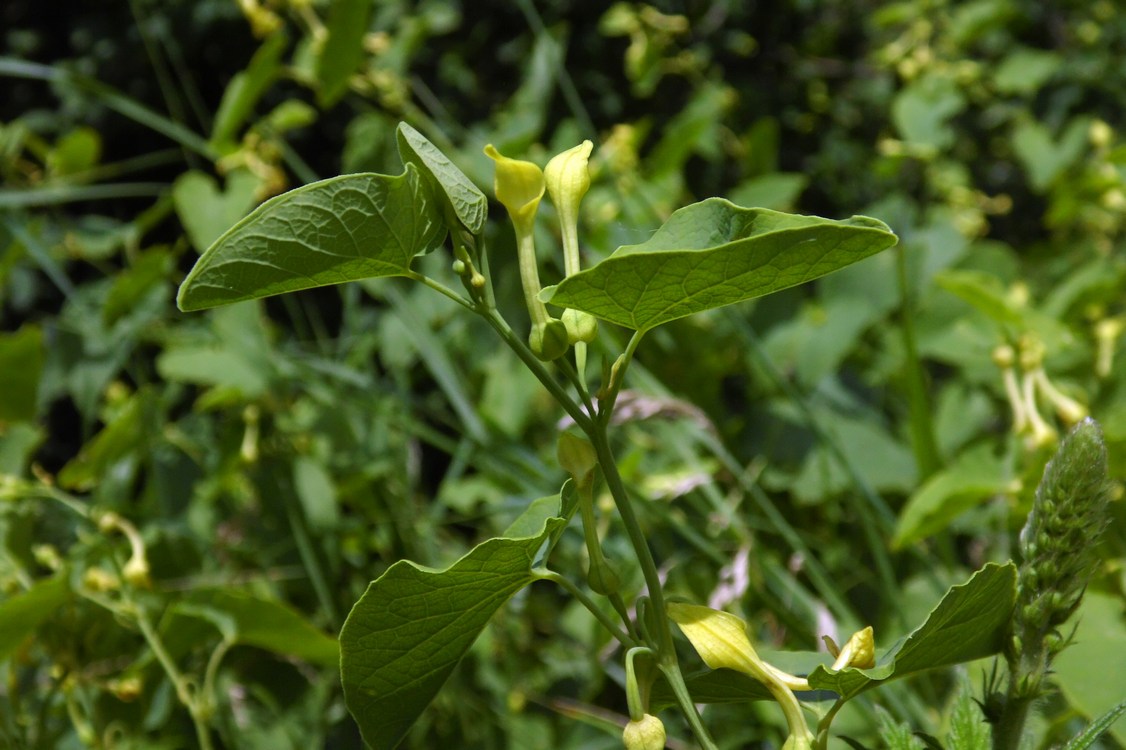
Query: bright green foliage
(827,457)
(969,623)
(1098,648)
(468,203)
(972,478)
(413,625)
(341,229)
(712,254)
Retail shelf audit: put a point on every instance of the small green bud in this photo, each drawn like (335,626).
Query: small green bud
(577,457)
(581,326)
(602,579)
(459,267)
(647,733)
(549,341)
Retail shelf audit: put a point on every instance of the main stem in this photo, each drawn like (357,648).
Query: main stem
(666,652)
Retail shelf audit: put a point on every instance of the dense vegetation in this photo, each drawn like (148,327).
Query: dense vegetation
(191,504)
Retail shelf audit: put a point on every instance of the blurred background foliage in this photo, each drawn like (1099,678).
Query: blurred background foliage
(828,457)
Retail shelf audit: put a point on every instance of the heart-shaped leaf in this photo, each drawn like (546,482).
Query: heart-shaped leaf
(413,625)
(341,229)
(715,253)
(969,623)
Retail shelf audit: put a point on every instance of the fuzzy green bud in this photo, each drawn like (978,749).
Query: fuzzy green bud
(1058,548)
(646,733)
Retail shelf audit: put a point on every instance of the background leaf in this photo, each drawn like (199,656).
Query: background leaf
(1091,672)
(975,476)
(21,364)
(341,229)
(21,614)
(343,49)
(714,253)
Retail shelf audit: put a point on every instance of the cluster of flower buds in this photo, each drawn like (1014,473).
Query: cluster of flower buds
(1033,383)
(519,186)
(1058,552)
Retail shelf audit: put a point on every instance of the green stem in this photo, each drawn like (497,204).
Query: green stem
(604,620)
(922,423)
(637,539)
(684,700)
(500,325)
(1009,729)
(183,692)
(530,277)
(617,375)
(441,289)
(822,740)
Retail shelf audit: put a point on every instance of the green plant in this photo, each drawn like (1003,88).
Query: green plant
(413,625)
(823,458)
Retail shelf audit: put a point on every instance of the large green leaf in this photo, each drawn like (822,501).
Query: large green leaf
(715,253)
(468,203)
(414,624)
(969,623)
(342,229)
(21,614)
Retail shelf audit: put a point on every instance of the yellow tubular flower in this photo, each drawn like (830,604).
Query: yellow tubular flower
(519,186)
(567,181)
(721,640)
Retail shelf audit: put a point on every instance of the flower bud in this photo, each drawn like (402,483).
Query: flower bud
(567,181)
(581,326)
(136,571)
(568,178)
(577,457)
(859,651)
(549,340)
(647,733)
(602,578)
